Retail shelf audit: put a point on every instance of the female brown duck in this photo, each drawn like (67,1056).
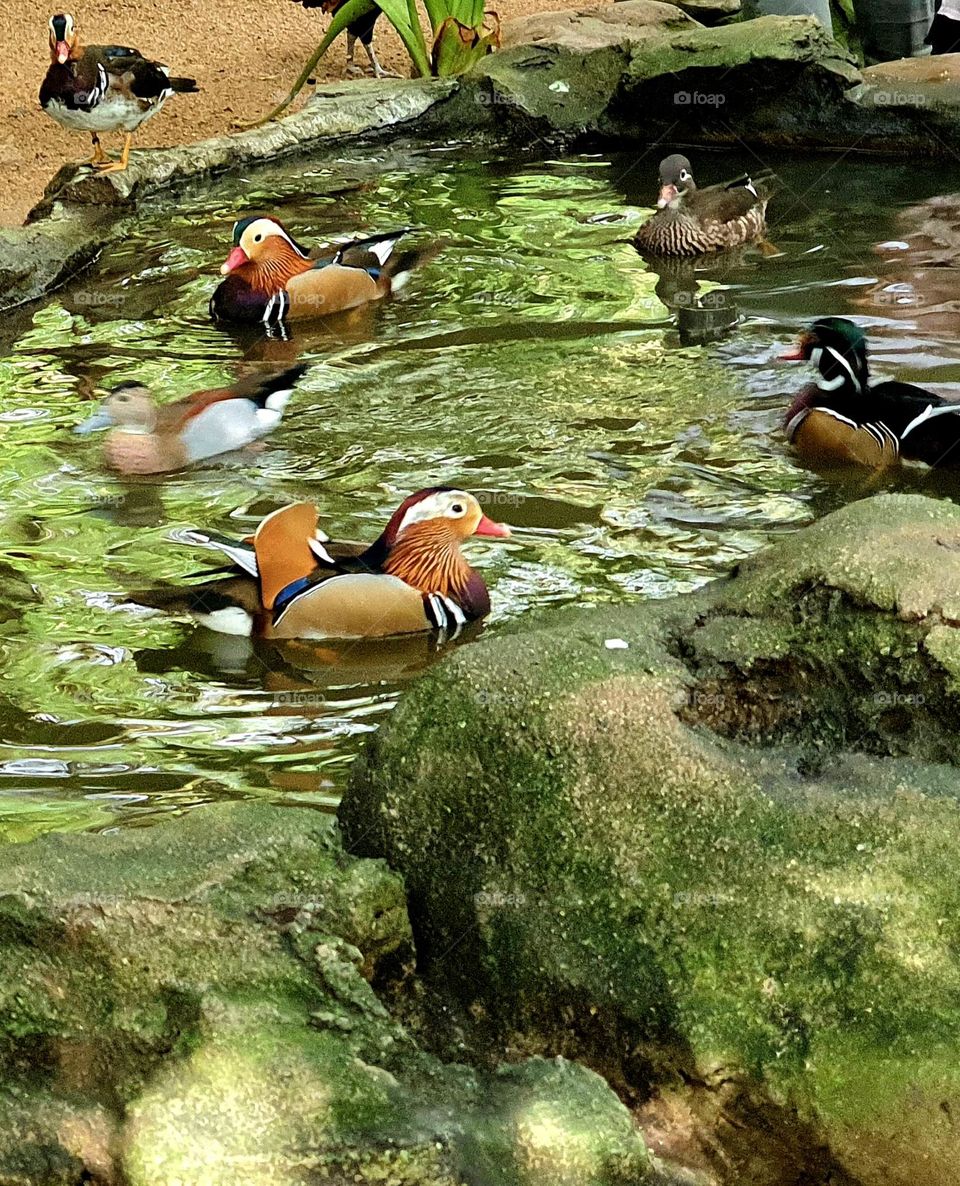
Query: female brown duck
(689,221)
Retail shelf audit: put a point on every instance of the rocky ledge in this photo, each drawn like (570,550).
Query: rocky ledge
(193,1005)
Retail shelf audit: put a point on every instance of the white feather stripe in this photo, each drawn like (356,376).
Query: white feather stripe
(929,412)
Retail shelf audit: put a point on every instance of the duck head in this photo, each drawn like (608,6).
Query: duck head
(676,179)
(838,349)
(421,543)
(265,243)
(64,38)
(129,406)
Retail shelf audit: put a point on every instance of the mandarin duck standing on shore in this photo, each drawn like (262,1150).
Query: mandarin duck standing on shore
(271,278)
(151,438)
(840,420)
(360,29)
(690,221)
(103,88)
(292,582)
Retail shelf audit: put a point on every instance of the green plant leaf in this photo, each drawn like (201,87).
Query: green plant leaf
(458,46)
(402,16)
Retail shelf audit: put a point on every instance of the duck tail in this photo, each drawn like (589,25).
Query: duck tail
(763,183)
(240,552)
(183,86)
(229,606)
(271,389)
(396,271)
(372,253)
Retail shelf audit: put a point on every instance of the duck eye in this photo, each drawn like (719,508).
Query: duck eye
(457,508)
(257,238)
(684,175)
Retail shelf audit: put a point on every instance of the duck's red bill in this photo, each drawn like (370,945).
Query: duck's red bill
(488,527)
(62,50)
(236,257)
(794,355)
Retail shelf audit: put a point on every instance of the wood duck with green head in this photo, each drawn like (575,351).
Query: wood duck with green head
(689,221)
(841,420)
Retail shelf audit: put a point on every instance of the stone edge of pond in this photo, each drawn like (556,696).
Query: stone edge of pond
(194,1000)
(783,81)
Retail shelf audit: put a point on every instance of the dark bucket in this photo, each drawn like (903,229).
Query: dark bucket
(711,318)
(895,28)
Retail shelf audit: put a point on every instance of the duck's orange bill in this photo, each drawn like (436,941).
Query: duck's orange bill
(488,527)
(236,257)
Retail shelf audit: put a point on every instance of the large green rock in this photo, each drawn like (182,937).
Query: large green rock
(710,844)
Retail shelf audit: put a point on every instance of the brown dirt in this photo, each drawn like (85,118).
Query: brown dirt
(245,54)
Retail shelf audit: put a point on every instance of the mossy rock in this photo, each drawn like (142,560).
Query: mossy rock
(191,1005)
(726,853)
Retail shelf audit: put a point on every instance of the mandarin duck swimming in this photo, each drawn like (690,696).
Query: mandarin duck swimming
(842,420)
(271,278)
(151,438)
(290,581)
(103,88)
(360,29)
(690,221)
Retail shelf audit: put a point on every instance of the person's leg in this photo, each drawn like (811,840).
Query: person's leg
(944,35)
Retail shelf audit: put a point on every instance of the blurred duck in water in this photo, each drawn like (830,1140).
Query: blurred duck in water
(150,438)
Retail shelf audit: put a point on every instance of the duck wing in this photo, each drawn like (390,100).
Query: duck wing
(261,391)
(927,425)
(79,85)
(732,199)
(353,605)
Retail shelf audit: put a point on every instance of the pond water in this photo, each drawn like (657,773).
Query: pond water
(531,362)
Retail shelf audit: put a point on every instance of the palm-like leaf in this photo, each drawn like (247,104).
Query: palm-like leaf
(459,37)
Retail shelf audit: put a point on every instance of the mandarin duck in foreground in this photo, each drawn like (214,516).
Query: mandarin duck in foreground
(290,581)
(841,420)
(103,88)
(152,438)
(360,29)
(690,221)
(271,278)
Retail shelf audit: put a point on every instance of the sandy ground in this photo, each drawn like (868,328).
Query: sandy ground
(244,54)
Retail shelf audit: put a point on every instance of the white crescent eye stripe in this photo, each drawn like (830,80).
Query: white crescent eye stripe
(845,364)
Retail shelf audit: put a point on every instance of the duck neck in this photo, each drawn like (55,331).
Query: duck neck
(841,375)
(272,272)
(427,556)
